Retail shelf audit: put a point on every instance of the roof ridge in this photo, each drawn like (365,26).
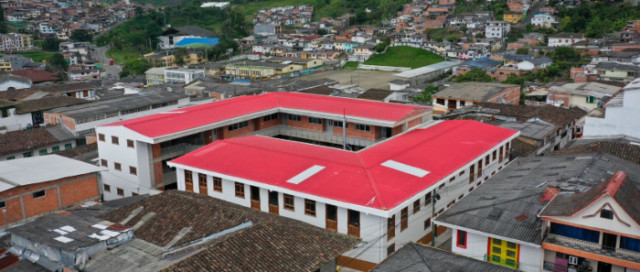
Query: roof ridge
(373,183)
(615,182)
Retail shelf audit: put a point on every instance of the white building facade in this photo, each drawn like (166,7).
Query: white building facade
(497,29)
(620,118)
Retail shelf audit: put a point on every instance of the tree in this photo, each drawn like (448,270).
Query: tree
(180,54)
(81,35)
(51,43)
(138,11)
(322,31)
(3,24)
(564,53)
(522,51)
(135,67)
(426,95)
(56,63)
(474,75)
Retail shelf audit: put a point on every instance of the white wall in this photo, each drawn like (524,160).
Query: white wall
(36,152)
(15,121)
(617,120)
(5,85)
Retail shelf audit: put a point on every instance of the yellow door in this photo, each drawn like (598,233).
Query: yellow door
(503,253)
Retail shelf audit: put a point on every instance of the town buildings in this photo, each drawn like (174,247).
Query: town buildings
(565,39)
(459,95)
(497,29)
(309,187)
(14,42)
(35,142)
(619,117)
(178,75)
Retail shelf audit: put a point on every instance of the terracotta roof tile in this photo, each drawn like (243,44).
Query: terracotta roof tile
(36,76)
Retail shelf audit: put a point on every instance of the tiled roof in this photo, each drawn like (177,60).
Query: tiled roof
(24,140)
(375,94)
(36,76)
(272,243)
(625,193)
(66,87)
(419,258)
(17,95)
(555,115)
(619,148)
(476,91)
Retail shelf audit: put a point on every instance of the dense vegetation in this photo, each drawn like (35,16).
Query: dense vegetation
(597,18)
(474,75)
(404,56)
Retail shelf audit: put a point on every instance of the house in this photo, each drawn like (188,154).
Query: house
(535,64)
(586,95)
(376,94)
(619,116)
(13,82)
(17,113)
(172,36)
(382,217)
(161,137)
(155,76)
(17,62)
(598,219)
(427,73)
(417,257)
(460,95)
(167,58)
(257,69)
(500,222)
(398,84)
(363,52)
(82,119)
(203,243)
(182,75)
(218,89)
(82,90)
(35,142)
(543,129)
(266,29)
(543,20)
(59,183)
(623,57)
(497,29)
(513,17)
(612,71)
(565,39)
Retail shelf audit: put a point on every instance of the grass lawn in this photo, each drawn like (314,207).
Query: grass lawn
(121,56)
(351,65)
(36,56)
(405,56)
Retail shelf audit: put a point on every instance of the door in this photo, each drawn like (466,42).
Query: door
(604,267)
(255,198)
(353,228)
(609,241)
(452,104)
(273,202)
(332,217)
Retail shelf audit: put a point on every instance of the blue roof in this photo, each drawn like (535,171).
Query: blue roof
(485,62)
(207,41)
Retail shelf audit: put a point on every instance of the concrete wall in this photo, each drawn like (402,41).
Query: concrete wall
(15,121)
(617,120)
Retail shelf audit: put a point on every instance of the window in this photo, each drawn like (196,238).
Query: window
(503,253)
(608,214)
(486,160)
(115,140)
(416,206)
(217,184)
(188,180)
(391,227)
(501,152)
(270,117)
(68,146)
(117,166)
(107,187)
(237,126)
(427,199)
(575,232)
(440,101)
(462,239)
(339,124)
(130,143)
(363,127)
(134,194)
(11,158)
(461,173)
(472,175)
(461,103)
(39,194)
(104,163)
(494,155)
(27,154)
(239,190)
(101,137)
(309,207)
(404,218)
(120,191)
(630,244)
(55,149)
(391,249)
(42,152)
(441,186)
(314,120)
(133,170)
(451,203)
(3,204)
(293,117)
(452,179)
(427,223)
(461,196)
(288,202)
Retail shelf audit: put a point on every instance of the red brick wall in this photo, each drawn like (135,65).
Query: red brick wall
(352,132)
(396,130)
(575,71)
(621,47)
(156,152)
(79,188)
(262,124)
(511,95)
(215,95)
(238,132)
(304,124)
(415,122)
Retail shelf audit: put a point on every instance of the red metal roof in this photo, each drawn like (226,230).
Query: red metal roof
(353,177)
(162,124)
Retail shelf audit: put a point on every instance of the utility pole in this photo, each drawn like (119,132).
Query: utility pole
(433,212)
(344,129)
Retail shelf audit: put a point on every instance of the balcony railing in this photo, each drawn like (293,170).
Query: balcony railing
(618,253)
(321,136)
(177,150)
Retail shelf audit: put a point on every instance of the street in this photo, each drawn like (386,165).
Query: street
(109,71)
